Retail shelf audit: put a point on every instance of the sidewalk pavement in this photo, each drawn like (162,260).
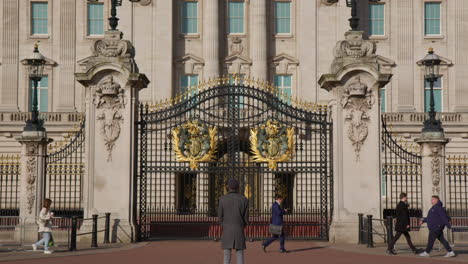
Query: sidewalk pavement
(209,252)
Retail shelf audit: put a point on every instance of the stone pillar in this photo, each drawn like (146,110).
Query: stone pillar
(433,167)
(32,181)
(211,38)
(357,74)
(112,82)
(259,37)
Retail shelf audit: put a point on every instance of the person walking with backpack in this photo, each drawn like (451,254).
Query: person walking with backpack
(402,225)
(437,219)
(233,215)
(45,227)
(276,225)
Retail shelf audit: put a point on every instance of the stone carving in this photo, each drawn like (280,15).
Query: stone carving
(32,149)
(236,47)
(109,100)
(145,2)
(31,170)
(354,46)
(113,46)
(435,170)
(357,99)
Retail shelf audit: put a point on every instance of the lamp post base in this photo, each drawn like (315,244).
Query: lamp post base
(32,125)
(432,125)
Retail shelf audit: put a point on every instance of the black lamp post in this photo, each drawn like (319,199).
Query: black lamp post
(114,20)
(354,20)
(35,65)
(431,64)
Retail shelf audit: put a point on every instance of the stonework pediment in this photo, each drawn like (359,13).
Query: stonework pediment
(237,64)
(284,63)
(285,58)
(237,59)
(191,63)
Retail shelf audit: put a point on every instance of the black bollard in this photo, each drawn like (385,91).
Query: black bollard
(94,232)
(370,238)
(72,246)
(389,229)
(107,230)
(361,229)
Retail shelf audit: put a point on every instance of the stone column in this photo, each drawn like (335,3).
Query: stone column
(32,181)
(259,37)
(357,74)
(211,38)
(112,82)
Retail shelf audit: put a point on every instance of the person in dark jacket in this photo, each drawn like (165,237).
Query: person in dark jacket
(437,219)
(276,219)
(233,214)
(402,225)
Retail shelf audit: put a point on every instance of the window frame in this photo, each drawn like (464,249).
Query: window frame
(182,18)
(439,35)
(383,100)
(275,28)
(190,76)
(282,87)
(31,19)
(382,4)
(428,88)
(88,35)
(228,24)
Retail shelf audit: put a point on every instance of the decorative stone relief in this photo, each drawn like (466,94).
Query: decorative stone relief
(113,46)
(236,47)
(145,2)
(435,169)
(31,170)
(357,99)
(354,46)
(109,100)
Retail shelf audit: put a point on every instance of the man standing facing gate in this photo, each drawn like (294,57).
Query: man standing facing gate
(233,214)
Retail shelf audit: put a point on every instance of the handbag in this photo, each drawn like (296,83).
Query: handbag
(276,229)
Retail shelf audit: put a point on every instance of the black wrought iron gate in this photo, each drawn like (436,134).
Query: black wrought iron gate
(177,201)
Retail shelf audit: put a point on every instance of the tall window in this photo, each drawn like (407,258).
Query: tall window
(42,94)
(236,17)
(283,17)
(39,18)
(95,19)
(437,95)
(383,100)
(376,20)
(190,17)
(284,84)
(432,18)
(187,82)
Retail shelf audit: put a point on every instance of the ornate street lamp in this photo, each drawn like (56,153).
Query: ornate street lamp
(35,65)
(113,20)
(354,20)
(431,64)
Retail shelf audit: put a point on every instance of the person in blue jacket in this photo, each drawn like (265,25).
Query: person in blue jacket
(276,219)
(437,219)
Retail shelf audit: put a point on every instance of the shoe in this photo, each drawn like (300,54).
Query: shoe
(424,254)
(34,246)
(283,251)
(450,254)
(264,248)
(391,252)
(417,251)
(48,251)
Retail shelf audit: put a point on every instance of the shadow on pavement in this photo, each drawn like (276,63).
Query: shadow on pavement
(305,249)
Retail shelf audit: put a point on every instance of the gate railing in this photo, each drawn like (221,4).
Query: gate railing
(9,184)
(401,172)
(64,173)
(456,172)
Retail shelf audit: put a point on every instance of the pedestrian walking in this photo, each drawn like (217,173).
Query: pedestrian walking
(437,219)
(45,227)
(276,224)
(233,214)
(402,226)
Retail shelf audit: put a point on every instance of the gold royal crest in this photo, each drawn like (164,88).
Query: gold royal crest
(194,143)
(272,142)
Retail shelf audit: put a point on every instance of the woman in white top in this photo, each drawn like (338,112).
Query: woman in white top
(45,228)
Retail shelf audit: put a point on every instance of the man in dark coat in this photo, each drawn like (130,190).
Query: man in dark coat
(276,219)
(233,214)
(402,225)
(437,219)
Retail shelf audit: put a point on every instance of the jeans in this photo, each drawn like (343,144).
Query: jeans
(45,239)
(239,256)
(397,236)
(437,233)
(273,238)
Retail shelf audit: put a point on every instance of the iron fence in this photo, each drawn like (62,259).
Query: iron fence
(456,172)
(9,184)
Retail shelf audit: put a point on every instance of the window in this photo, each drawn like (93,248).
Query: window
(383,100)
(95,19)
(376,20)
(432,18)
(39,18)
(190,17)
(284,84)
(187,82)
(42,94)
(437,95)
(236,17)
(283,17)
(237,81)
